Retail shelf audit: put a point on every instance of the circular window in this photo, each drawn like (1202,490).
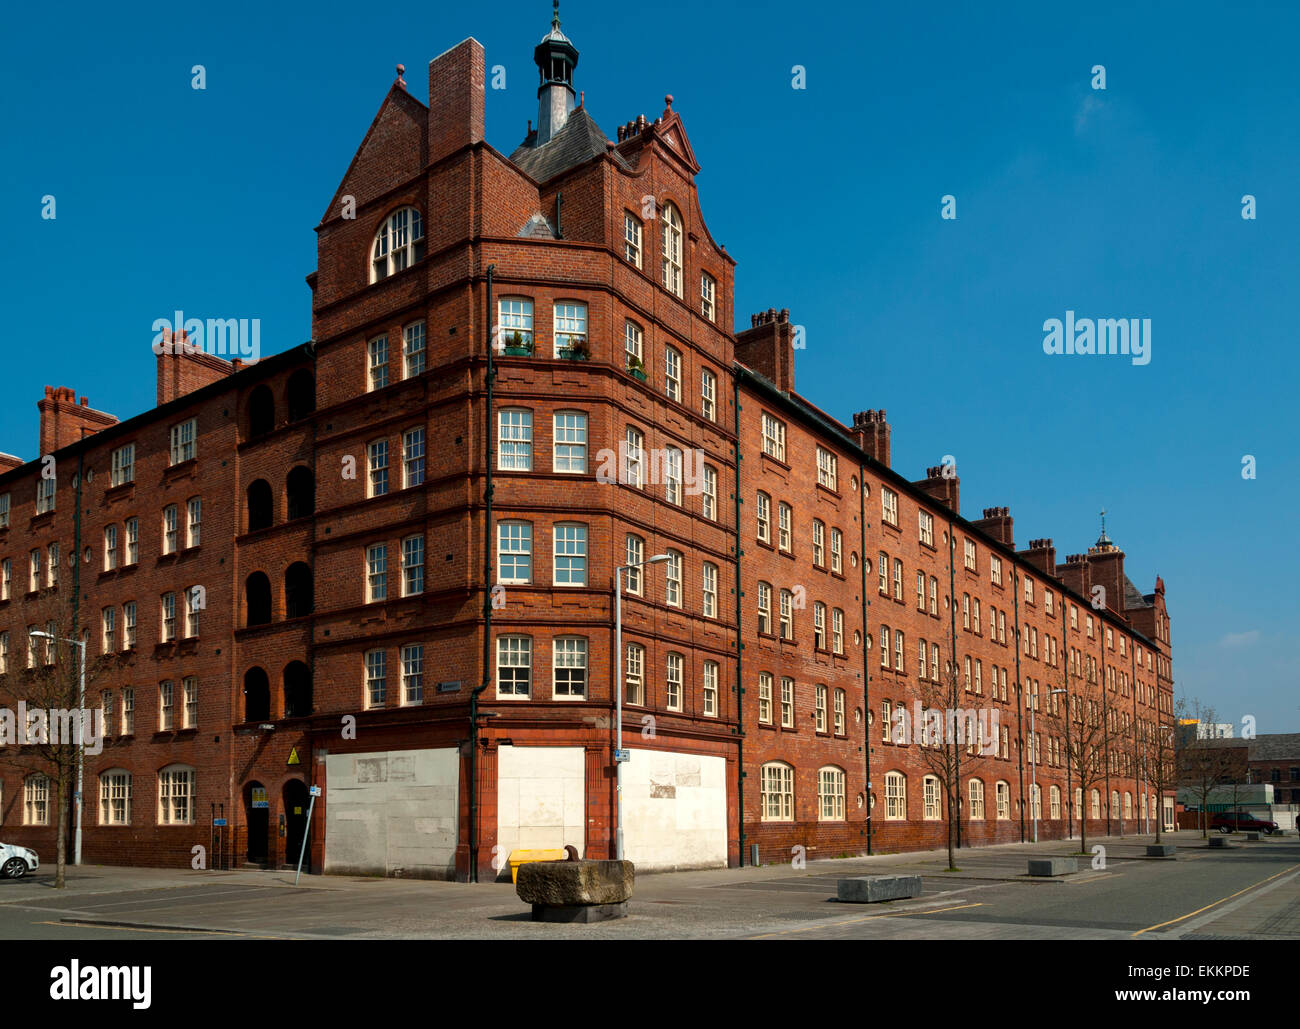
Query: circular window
(853,483)
(873,801)
(857,638)
(853,559)
(861,800)
(868,641)
(857,716)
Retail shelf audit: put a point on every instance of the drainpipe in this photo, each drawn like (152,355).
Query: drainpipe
(1020,699)
(740,645)
(866,669)
(1105,714)
(487,597)
(1069,712)
(952,622)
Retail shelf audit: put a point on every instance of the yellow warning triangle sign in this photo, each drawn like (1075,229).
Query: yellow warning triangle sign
(293,757)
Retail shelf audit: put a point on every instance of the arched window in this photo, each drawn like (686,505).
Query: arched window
(399,243)
(1054,800)
(975,790)
(36,800)
(1095,804)
(895,797)
(257,599)
(830,794)
(298,600)
(1003,795)
(301,488)
(260,508)
(777,792)
(301,394)
(672,250)
(634,674)
(933,809)
(1035,800)
(257,695)
(297,690)
(1128,804)
(115,797)
(515,326)
(176,799)
(261,412)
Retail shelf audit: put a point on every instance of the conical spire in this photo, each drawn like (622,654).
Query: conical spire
(555,57)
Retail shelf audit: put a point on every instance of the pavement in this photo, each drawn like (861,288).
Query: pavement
(1246,892)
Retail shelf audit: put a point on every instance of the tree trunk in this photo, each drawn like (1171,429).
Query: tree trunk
(952,834)
(61,851)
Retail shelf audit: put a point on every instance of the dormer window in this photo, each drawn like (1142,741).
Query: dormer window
(399,243)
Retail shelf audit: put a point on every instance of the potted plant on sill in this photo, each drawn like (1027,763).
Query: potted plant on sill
(578,350)
(518,346)
(635,368)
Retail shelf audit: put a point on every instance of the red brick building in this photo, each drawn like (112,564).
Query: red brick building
(417,614)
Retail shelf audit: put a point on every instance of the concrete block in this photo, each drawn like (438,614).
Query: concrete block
(1219,842)
(870,889)
(1053,866)
(1161,850)
(1253,837)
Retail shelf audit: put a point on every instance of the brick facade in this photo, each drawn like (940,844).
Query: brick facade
(284,468)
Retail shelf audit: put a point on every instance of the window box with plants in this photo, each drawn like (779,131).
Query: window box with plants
(575,350)
(636,369)
(518,345)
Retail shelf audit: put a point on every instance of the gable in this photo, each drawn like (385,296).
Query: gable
(392,153)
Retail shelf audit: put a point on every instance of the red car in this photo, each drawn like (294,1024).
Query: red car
(1241,821)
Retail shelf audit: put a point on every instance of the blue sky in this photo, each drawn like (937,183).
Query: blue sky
(1117,203)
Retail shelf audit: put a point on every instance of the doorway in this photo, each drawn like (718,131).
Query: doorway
(257,816)
(296,801)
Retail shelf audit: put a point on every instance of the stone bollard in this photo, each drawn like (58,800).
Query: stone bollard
(1161,850)
(871,889)
(1053,866)
(1219,842)
(576,891)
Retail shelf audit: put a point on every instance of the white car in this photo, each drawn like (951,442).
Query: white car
(16,862)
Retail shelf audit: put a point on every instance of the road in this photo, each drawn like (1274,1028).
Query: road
(1248,892)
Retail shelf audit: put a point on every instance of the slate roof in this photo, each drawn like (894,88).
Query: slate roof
(1275,746)
(1133,596)
(579,141)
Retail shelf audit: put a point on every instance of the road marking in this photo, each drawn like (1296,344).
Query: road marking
(866,918)
(1207,907)
(1092,878)
(133,929)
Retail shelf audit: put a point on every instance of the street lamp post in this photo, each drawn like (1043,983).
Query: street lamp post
(618,694)
(81,758)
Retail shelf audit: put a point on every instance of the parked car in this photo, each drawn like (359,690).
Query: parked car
(16,862)
(1242,821)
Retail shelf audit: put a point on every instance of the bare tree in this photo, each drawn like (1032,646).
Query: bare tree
(1094,736)
(945,727)
(46,682)
(1203,764)
(1159,769)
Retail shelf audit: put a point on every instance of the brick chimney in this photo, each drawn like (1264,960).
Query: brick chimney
(455,99)
(186,369)
(63,419)
(767,346)
(1041,554)
(1074,573)
(1106,569)
(946,491)
(872,433)
(997,523)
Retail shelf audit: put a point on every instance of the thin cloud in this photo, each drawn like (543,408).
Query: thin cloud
(1240,639)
